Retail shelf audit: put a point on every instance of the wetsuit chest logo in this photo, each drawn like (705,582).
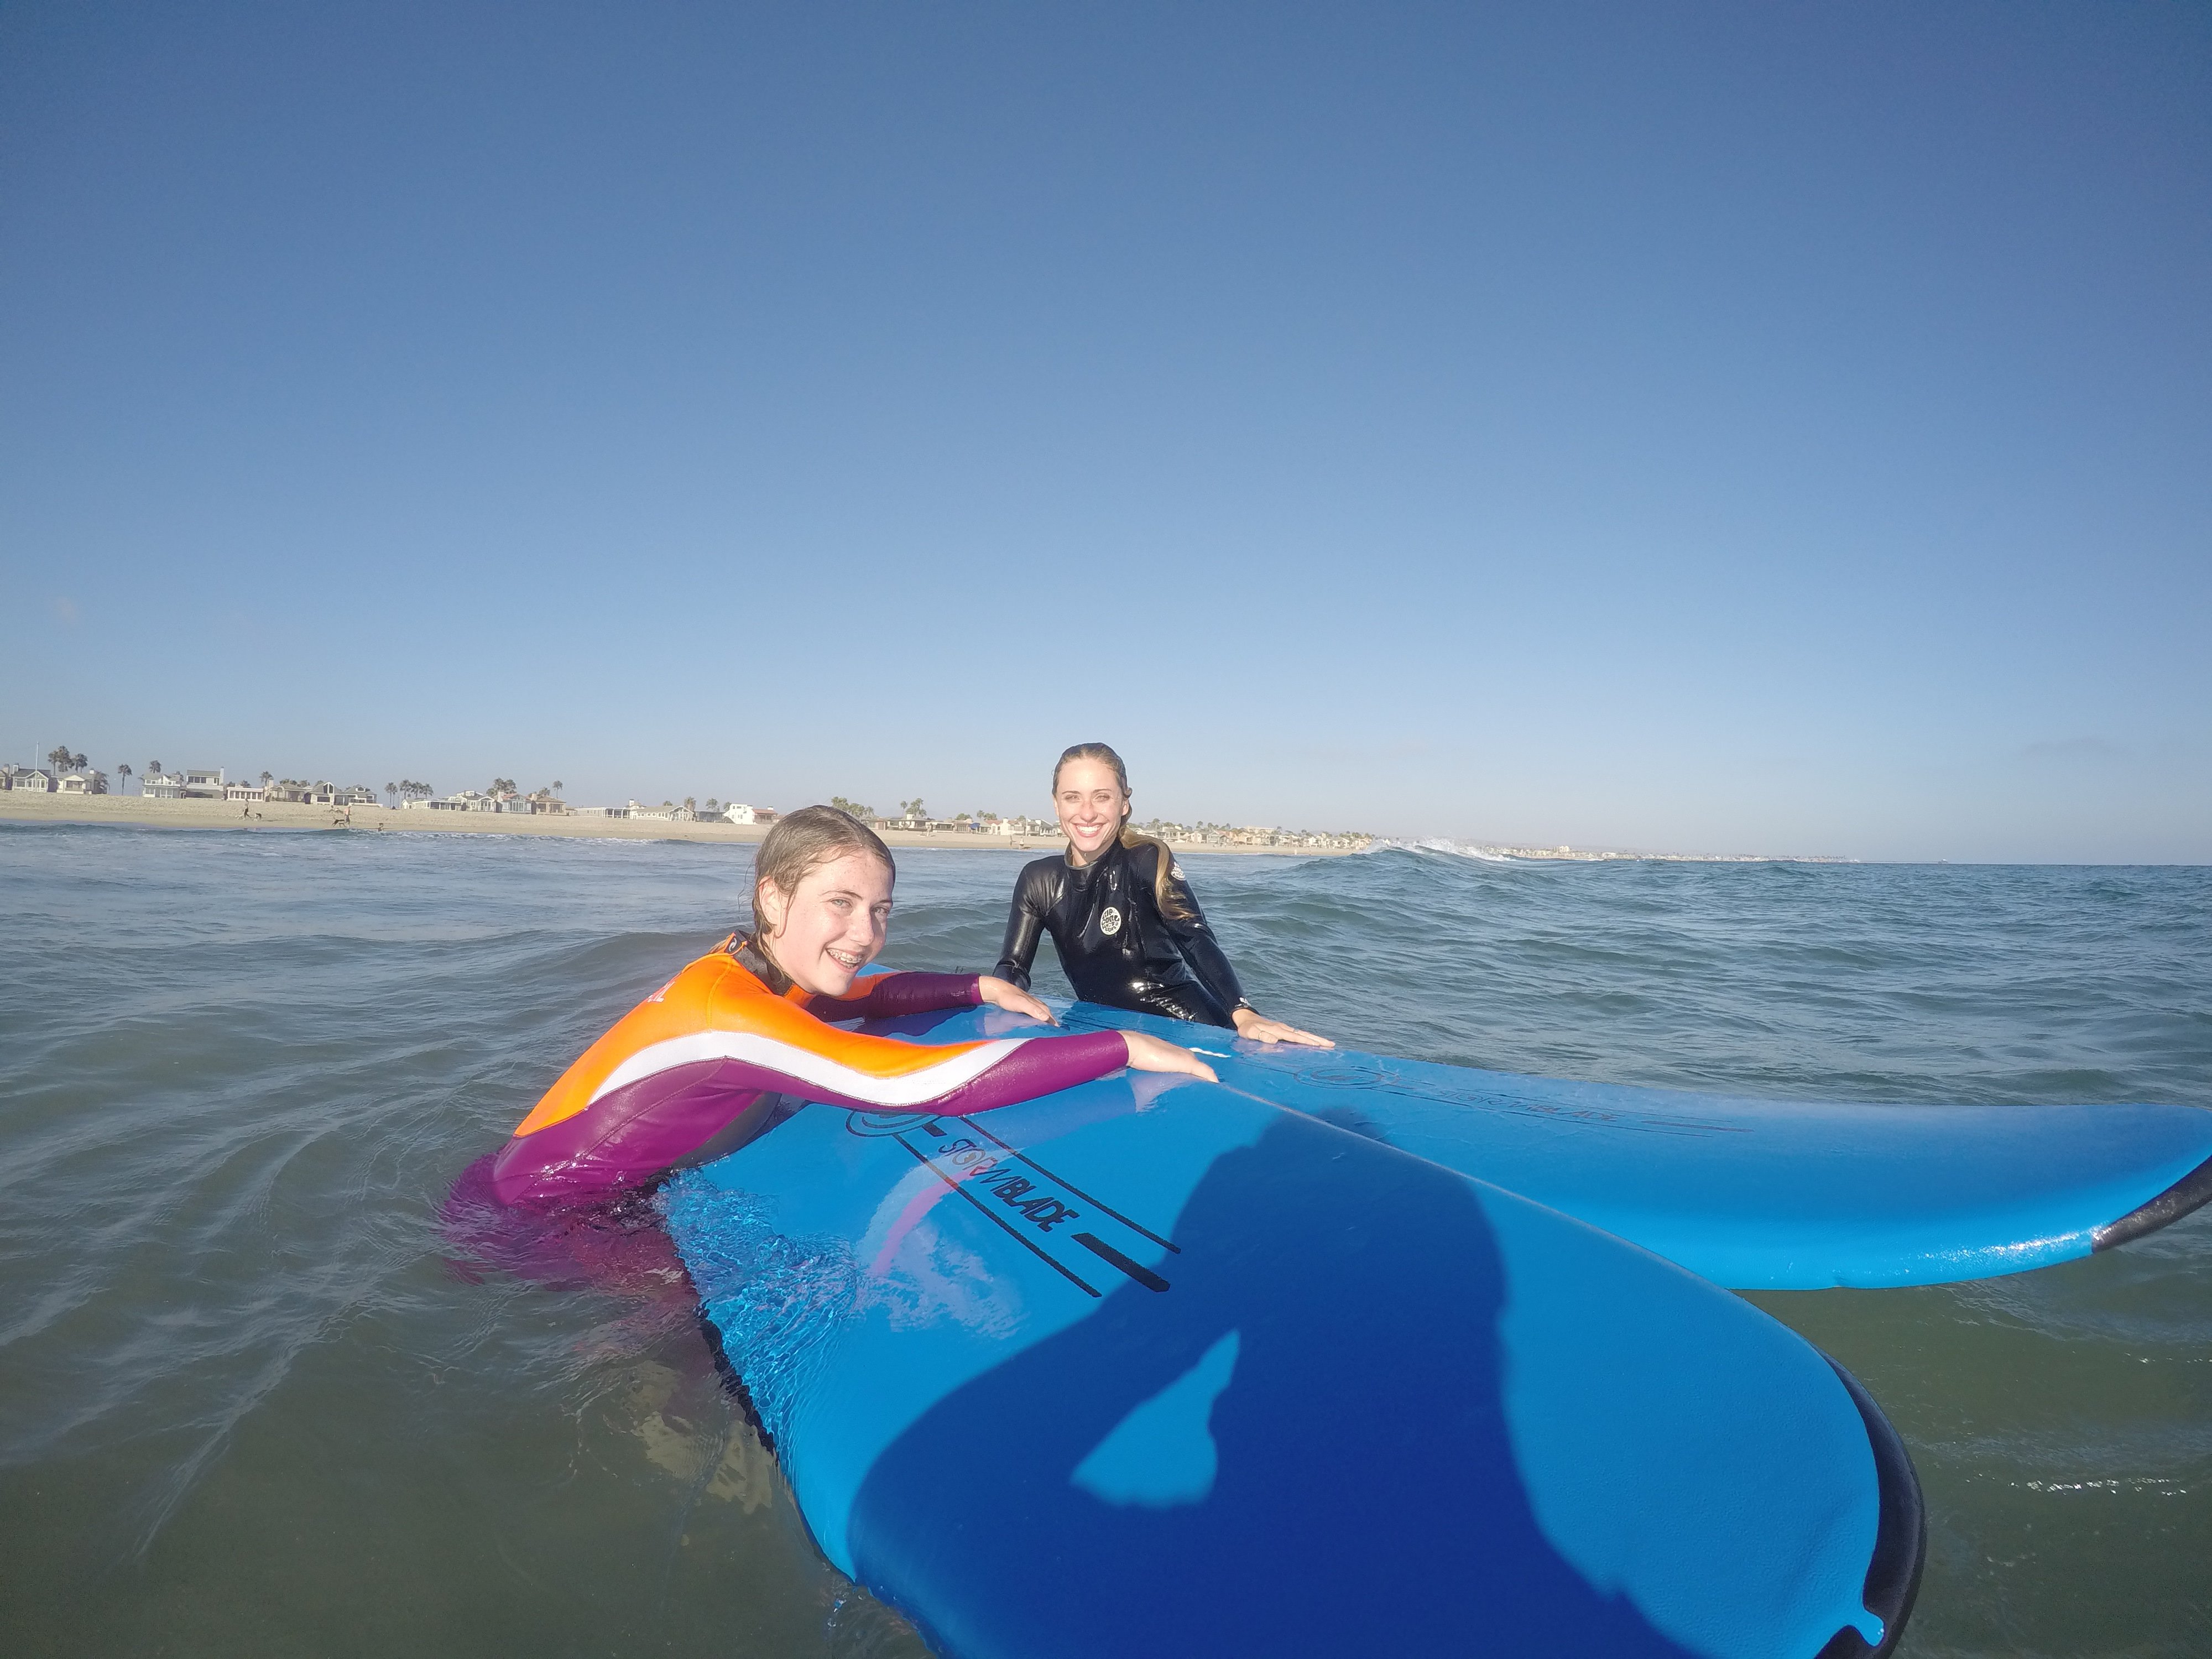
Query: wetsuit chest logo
(1109,921)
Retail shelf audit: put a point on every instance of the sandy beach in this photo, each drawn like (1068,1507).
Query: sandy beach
(23,807)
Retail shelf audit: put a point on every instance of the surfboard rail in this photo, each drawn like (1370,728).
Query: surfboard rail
(1900,1547)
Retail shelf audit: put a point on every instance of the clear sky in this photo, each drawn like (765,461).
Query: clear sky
(1734,427)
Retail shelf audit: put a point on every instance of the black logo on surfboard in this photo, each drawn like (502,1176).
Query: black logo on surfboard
(1056,1221)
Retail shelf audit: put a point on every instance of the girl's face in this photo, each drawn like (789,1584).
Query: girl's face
(831,925)
(1088,798)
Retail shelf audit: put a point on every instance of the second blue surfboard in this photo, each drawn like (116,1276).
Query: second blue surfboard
(1754,1195)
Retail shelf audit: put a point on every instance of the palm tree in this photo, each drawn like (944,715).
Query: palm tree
(154,767)
(392,790)
(122,778)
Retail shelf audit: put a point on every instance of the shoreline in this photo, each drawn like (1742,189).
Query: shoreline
(22,807)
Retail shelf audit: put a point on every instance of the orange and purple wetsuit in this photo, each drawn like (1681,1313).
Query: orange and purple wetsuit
(714,1058)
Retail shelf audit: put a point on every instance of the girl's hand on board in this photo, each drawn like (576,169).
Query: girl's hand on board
(998,993)
(1256,1026)
(1148,1053)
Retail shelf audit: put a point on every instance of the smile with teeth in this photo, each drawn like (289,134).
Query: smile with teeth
(846,958)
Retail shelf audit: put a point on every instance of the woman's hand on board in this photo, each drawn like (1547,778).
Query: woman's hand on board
(1148,1053)
(1000,994)
(1256,1026)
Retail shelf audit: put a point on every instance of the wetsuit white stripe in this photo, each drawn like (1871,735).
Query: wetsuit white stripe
(787,1059)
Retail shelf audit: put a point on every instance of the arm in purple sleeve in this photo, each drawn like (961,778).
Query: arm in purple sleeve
(886,996)
(1040,1066)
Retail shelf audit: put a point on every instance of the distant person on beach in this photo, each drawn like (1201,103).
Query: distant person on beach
(1127,925)
(730,1047)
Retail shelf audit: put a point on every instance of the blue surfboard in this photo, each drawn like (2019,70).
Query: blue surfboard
(1155,1367)
(1754,1195)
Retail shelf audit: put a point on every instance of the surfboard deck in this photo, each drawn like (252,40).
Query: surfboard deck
(1152,1366)
(1754,1194)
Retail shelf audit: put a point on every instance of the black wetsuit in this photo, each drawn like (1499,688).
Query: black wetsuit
(1115,944)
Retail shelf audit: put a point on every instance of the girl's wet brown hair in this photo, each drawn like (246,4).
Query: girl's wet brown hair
(1170,904)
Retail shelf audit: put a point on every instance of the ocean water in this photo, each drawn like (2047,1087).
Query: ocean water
(251,1402)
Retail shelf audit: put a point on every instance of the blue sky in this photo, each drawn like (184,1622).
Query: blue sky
(1702,427)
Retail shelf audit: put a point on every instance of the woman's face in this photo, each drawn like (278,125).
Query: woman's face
(1089,799)
(832,925)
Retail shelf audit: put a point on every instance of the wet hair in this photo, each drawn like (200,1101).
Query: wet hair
(1170,903)
(795,844)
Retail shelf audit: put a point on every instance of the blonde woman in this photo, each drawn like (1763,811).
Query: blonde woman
(1127,925)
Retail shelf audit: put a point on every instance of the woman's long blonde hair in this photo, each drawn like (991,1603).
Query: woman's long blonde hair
(1170,904)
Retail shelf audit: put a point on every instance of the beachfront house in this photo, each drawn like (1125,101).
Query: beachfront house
(31,779)
(737,812)
(162,786)
(82,781)
(203,782)
(244,792)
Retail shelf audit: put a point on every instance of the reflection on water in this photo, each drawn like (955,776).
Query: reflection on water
(246,1406)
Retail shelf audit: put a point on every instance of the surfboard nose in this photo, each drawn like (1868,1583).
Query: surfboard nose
(2192,1191)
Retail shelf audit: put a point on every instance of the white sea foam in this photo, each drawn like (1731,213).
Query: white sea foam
(1443,844)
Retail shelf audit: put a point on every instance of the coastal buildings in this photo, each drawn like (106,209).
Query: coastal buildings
(322,793)
(966,823)
(159,783)
(192,783)
(478,800)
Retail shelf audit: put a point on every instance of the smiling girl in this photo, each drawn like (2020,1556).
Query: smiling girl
(1128,929)
(739,1040)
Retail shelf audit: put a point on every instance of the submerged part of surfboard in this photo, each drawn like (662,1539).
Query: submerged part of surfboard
(1754,1195)
(1152,1366)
